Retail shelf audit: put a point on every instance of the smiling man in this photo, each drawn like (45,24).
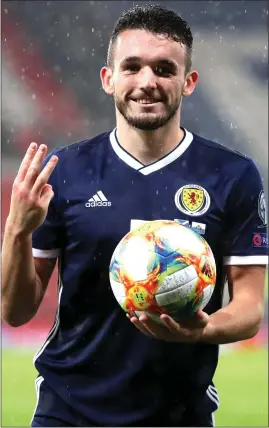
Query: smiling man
(148,87)
(98,368)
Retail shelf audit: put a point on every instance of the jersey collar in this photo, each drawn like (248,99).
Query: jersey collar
(155,166)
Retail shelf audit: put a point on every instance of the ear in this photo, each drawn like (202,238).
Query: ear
(106,79)
(191,81)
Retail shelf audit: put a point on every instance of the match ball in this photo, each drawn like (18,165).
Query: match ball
(162,267)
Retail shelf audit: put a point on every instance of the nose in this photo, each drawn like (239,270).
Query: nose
(148,79)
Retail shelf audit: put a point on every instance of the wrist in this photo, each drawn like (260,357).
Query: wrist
(209,333)
(15,232)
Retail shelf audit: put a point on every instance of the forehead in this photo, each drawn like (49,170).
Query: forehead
(148,46)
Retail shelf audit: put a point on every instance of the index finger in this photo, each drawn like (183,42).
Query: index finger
(140,326)
(26,162)
(45,174)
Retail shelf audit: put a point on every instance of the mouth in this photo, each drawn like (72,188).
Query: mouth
(146,102)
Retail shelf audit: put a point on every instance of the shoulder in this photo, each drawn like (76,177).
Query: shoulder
(82,146)
(221,156)
(84,155)
(218,148)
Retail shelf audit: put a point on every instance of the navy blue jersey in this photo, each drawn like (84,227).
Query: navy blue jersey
(94,357)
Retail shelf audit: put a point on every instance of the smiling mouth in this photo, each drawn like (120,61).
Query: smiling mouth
(146,102)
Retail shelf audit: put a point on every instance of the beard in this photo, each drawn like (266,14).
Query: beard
(147,121)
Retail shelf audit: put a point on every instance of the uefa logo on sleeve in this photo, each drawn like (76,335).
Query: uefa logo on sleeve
(260,240)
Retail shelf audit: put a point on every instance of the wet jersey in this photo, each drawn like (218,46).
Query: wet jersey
(94,358)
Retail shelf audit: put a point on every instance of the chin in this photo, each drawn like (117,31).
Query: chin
(148,120)
(143,120)
(145,124)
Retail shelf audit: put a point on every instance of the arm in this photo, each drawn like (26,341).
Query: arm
(241,318)
(245,264)
(24,281)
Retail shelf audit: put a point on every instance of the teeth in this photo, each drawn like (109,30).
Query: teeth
(145,102)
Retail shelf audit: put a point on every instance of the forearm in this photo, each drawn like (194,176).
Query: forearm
(20,289)
(235,322)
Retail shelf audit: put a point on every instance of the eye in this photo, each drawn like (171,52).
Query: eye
(162,71)
(132,68)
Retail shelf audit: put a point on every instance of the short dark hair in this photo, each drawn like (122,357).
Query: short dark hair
(157,20)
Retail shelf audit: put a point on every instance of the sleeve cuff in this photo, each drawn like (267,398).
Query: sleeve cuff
(46,254)
(246,260)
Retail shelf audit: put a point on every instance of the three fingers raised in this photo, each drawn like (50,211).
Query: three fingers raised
(30,173)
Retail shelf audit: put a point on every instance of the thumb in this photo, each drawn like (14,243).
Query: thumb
(198,320)
(202,318)
(47,193)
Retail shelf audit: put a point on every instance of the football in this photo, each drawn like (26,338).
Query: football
(160,267)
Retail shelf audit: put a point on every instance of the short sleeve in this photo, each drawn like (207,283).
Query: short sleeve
(47,239)
(245,238)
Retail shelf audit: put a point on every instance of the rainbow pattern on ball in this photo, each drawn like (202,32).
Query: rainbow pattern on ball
(162,267)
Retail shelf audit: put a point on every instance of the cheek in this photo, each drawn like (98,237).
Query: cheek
(177,90)
(123,86)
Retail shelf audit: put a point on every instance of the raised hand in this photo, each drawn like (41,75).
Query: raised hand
(31,194)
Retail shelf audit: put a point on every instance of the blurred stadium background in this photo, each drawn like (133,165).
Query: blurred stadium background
(51,55)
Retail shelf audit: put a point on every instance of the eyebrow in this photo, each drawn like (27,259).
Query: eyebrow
(131,59)
(162,61)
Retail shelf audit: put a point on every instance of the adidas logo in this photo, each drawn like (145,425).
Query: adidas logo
(98,200)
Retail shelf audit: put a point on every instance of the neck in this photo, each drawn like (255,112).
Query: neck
(149,146)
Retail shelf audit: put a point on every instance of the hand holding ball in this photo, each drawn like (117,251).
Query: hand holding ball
(162,267)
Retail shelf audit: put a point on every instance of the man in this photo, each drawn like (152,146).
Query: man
(96,368)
